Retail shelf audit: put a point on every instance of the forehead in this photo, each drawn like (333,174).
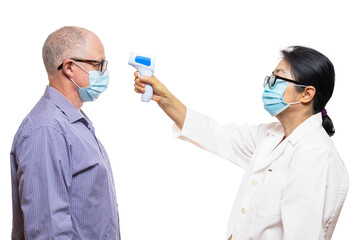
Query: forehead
(95,49)
(283,69)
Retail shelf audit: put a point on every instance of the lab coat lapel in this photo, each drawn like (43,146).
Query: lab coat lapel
(270,150)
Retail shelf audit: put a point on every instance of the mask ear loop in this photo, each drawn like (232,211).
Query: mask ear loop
(82,69)
(293,103)
(74,83)
(296,85)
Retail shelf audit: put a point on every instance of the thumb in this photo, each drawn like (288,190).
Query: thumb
(148,80)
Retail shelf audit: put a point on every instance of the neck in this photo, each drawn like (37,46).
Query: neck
(291,120)
(68,90)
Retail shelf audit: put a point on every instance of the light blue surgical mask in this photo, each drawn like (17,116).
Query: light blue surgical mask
(98,84)
(273,98)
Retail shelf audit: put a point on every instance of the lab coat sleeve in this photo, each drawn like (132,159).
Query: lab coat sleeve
(306,192)
(234,143)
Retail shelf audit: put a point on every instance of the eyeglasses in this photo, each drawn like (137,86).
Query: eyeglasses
(103,63)
(271,80)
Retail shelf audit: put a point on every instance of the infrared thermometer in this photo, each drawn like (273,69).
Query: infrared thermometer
(145,64)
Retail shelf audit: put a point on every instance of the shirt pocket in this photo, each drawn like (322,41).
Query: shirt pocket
(267,202)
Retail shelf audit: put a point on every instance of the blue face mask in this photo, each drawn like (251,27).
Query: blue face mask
(98,84)
(273,98)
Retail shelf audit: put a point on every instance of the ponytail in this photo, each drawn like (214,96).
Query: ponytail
(327,123)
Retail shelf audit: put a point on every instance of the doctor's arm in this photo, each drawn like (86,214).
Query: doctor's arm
(174,108)
(235,143)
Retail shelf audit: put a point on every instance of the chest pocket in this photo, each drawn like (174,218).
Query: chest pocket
(267,202)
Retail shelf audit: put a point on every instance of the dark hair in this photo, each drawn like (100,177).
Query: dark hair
(312,68)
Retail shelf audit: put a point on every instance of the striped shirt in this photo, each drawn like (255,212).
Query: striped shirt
(62,183)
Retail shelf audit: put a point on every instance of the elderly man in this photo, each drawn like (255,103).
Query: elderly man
(62,183)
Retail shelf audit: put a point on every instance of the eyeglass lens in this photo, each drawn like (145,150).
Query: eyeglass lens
(269,80)
(104,66)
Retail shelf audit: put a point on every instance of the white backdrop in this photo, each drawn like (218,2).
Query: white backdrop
(213,55)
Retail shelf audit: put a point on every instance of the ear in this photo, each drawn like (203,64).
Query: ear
(68,69)
(308,94)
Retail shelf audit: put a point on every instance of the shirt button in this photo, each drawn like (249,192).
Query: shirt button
(254,182)
(243,211)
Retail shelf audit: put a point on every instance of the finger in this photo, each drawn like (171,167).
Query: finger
(139,82)
(148,80)
(136,74)
(140,89)
(137,91)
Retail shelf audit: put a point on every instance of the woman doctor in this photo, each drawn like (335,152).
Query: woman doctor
(295,182)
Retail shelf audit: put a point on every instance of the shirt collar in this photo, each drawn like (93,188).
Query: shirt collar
(64,104)
(315,121)
(276,129)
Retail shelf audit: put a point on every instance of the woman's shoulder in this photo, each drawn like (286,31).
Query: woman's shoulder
(318,147)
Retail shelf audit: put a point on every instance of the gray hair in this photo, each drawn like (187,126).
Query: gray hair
(66,42)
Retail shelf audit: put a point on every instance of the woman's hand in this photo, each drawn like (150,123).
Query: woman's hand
(161,93)
(169,103)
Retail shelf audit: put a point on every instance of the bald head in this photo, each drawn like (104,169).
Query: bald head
(66,42)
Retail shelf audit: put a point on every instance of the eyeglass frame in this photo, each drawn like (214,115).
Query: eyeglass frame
(103,63)
(267,81)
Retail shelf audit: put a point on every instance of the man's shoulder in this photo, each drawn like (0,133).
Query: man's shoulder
(45,114)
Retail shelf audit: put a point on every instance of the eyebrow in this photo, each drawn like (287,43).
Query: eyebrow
(279,70)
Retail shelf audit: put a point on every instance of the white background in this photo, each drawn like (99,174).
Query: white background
(213,55)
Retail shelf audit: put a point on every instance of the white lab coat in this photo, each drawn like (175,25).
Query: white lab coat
(291,191)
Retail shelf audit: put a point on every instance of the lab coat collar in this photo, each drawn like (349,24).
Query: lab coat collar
(275,129)
(271,149)
(313,122)
(273,146)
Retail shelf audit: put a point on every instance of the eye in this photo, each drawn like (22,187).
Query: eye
(96,65)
